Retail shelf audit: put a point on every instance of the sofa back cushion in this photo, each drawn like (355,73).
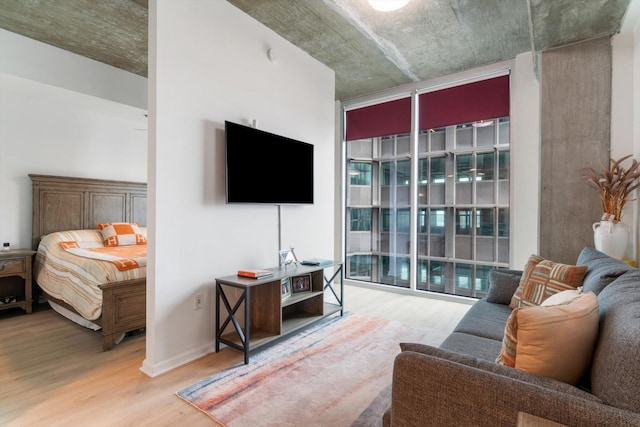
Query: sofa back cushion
(615,369)
(601,269)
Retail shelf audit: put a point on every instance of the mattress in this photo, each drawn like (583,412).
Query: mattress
(75,279)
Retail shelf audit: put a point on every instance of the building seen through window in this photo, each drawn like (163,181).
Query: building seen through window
(462,214)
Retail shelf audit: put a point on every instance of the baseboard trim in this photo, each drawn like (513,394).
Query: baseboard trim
(154,369)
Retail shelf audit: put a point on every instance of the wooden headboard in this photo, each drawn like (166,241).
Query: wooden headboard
(67,203)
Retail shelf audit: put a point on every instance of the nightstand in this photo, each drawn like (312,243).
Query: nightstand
(15,279)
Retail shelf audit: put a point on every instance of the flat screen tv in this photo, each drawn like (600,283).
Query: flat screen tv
(263,167)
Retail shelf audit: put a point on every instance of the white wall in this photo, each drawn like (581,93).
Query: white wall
(625,108)
(208,63)
(50,126)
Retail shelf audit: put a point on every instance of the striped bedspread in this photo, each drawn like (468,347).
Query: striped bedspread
(123,257)
(75,279)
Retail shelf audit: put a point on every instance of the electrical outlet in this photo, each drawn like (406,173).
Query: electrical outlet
(199,301)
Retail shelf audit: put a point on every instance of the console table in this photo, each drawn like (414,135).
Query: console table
(268,316)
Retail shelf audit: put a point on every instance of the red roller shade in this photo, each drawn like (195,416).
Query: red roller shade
(388,118)
(486,99)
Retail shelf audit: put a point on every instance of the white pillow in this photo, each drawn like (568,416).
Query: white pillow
(562,297)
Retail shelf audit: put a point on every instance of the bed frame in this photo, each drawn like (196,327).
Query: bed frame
(66,203)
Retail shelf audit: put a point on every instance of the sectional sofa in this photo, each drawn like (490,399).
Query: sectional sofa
(461,384)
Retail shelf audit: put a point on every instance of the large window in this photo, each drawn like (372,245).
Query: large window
(459,228)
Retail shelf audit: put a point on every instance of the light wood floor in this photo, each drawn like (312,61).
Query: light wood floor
(54,373)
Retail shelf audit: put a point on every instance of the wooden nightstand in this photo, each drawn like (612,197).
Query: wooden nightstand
(15,278)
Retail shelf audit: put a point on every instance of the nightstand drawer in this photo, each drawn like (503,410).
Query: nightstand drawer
(12,266)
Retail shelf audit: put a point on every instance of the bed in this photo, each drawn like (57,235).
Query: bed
(68,209)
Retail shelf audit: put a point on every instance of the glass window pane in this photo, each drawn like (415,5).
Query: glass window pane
(422,220)
(395,270)
(403,172)
(463,222)
(437,273)
(484,222)
(403,146)
(463,168)
(385,219)
(423,171)
(437,137)
(464,136)
(423,142)
(423,270)
(463,276)
(503,222)
(482,278)
(437,221)
(360,173)
(503,164)
(438,170)
(485,133)
(360,266)
(385,173)
(387,146)
(360,219)
(484,167)
(503,130)
(362,148)
(403,221)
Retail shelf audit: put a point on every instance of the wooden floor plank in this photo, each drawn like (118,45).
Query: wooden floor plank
(54,372)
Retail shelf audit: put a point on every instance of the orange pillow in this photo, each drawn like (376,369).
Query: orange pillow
(554,341)
(121,234)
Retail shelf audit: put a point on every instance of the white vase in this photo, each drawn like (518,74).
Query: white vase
(610,238)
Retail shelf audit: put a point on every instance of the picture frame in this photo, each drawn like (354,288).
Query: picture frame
(285,288)
(301,283)
(287,256)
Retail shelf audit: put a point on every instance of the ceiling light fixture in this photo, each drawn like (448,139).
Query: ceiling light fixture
(387,5)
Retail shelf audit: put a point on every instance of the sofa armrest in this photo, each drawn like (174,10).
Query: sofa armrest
(429,390)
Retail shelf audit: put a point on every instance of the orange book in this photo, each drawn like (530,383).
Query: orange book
(255,274)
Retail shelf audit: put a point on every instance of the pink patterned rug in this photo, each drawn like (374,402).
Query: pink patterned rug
(326,375)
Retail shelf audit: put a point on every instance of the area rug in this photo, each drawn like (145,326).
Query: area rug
(327,375)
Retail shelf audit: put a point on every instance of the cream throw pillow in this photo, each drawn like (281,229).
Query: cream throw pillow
(552,341)
(562,297)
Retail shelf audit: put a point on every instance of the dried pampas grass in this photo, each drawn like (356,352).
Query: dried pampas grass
(615,186)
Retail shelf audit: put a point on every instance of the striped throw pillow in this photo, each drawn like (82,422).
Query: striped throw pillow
(543,278)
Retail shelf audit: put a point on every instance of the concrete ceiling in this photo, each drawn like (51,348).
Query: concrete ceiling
(369,51)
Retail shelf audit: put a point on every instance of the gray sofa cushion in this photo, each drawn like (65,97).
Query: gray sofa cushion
(502,285)
(602,269)
(472,345)
(615,370)
(485,319)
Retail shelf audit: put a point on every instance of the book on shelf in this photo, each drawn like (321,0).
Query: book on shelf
(317,261)
(255,274)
